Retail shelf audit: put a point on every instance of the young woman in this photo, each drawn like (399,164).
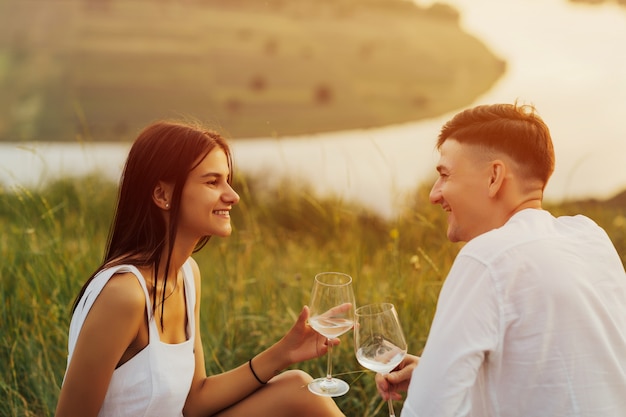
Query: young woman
(135,347)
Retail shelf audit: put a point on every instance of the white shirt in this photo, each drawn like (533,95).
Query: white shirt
(530,322)
(156,381)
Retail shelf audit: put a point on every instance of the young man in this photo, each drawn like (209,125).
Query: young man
(531,320)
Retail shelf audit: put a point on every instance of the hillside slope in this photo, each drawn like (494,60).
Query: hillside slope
(101,69)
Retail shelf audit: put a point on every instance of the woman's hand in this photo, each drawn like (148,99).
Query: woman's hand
(302,343)
(397,381)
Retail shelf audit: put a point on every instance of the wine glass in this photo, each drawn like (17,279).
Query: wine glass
(379,343)
(332,314)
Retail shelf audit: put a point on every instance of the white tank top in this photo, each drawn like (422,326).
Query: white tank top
(156,381)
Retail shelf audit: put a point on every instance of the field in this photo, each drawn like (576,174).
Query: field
(75,70)
(255,282)
(101,69)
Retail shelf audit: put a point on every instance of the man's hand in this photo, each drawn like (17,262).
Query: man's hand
(391,385)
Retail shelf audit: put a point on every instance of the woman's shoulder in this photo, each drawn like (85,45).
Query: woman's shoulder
(124,291)
(110,303)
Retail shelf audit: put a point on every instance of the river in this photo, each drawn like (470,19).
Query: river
(565,59)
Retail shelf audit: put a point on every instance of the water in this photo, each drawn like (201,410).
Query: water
(566,59)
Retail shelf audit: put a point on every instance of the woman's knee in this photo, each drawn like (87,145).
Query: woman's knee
(300,399)
(293,377)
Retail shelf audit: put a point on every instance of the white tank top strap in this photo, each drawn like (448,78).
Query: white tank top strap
(92,292)
(190,299)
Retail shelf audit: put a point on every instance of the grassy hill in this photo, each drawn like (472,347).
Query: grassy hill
(101,69)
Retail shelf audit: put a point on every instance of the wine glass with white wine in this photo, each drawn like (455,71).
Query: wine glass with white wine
(379,342)
(332,314)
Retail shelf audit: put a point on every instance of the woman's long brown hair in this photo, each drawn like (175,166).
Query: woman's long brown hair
(164,151)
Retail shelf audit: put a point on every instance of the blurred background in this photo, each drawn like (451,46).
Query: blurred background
(346,96)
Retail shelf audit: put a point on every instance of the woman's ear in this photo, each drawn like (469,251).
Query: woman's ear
(497,176)
(162,195)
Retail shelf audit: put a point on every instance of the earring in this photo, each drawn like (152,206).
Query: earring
(167,205)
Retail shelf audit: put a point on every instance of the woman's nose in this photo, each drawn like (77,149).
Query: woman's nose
(231,196)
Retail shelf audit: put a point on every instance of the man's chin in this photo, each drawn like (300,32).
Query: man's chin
(452,235)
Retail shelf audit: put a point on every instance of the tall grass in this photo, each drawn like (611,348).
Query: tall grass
(50,240)
(254,282)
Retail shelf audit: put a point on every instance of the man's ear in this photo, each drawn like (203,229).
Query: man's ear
(497,174)
(162,195)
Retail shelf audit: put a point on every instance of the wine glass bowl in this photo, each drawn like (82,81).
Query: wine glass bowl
(330,326)
(331,315)
(379,342)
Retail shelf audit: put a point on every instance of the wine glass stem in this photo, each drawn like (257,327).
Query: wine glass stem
(391,412)
(329,366)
